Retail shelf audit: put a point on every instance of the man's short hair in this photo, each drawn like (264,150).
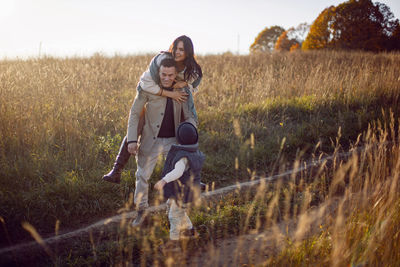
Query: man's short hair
(168,62)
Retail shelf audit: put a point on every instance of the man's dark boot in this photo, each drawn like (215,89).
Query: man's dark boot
(114,176)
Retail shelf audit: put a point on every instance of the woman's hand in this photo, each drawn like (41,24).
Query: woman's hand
(180,84)
(159,185)
(176,95)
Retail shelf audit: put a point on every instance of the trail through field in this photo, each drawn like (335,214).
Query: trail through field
(256,248)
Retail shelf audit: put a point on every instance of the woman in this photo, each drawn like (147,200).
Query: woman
(189,73)
(188,79)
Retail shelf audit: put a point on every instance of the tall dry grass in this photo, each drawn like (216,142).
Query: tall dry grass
(61,122)
(342,211)
(357,223)
(233,81)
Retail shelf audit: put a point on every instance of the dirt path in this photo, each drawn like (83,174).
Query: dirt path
(256,248)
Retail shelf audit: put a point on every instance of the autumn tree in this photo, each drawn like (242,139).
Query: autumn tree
(292,38)
(284,43)
(265,41)
(319,35)
(355,24)
(295,47)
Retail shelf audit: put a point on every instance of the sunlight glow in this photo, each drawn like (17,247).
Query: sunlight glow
(7,9)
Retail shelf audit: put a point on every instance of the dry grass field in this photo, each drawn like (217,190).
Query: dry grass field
(62,120)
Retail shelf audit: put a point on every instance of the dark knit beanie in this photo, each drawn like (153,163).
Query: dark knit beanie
(187,134)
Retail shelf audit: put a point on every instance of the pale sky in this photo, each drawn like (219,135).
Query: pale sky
(29,28)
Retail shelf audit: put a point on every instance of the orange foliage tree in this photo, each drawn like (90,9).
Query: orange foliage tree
(291,39)
(355,24)
(265,41)
(320,32)
(284,43)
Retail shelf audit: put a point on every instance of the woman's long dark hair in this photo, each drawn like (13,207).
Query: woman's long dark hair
(193,70)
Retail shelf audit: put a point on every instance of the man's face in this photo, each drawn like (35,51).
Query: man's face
(167,76)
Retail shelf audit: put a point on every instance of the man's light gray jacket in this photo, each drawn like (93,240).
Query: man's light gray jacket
(155,108)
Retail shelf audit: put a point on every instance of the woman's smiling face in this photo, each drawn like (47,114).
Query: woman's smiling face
(180,54)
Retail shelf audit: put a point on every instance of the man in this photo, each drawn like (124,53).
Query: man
(162,118)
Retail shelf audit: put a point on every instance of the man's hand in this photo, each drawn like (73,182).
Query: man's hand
(133,148)
(159,185)
(179,84)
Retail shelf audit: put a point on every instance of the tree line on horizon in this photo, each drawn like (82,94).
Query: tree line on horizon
(352,25)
